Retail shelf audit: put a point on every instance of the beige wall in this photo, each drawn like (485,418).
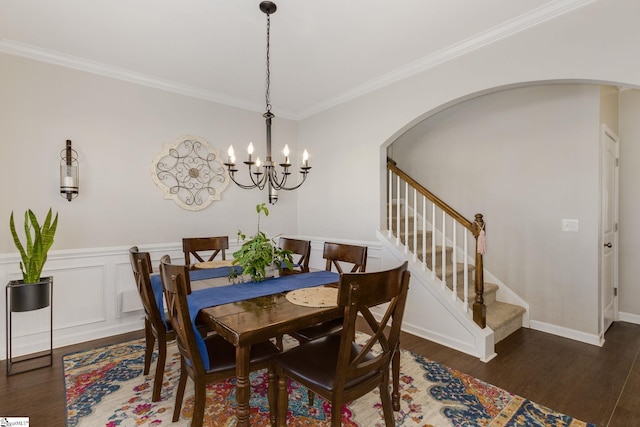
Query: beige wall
(629,235)
(117,129)
(525,158)
(576,47)
(609,106)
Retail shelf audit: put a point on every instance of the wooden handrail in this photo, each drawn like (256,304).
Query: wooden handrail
(475,227)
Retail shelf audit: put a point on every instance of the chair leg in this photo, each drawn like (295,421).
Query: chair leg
(336,413)
(182,382)
(162,357)
(272,394)
(150,340)
(282,400)
(387,407)
(395,378)
(200,389)
(312,397)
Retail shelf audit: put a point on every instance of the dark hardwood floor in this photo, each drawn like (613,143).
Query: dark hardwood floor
(593,384)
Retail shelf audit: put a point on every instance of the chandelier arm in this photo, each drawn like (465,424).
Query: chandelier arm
(304,178)
(259,184)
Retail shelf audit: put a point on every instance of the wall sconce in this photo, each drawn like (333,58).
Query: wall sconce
(69,172)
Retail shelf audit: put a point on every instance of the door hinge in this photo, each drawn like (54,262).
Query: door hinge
(615,227)
(617,161)
(615,292)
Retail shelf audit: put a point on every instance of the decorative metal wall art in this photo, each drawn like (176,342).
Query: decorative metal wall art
(190,172)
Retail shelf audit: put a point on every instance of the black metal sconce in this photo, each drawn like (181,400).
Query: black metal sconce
(69,172)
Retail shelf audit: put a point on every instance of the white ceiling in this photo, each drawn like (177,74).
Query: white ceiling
(322,53)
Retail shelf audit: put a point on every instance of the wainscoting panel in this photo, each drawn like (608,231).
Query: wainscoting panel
(89,288)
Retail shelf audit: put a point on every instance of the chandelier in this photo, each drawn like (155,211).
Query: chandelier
(264,174)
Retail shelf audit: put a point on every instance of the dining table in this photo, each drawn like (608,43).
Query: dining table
(247,313)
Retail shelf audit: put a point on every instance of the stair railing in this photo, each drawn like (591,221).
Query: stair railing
(408,199)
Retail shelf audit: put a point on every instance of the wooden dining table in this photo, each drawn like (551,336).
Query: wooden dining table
(252,320)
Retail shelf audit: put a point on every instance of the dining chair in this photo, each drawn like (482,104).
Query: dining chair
(338,368)
(336,255)
(300,249)
(154,327)
(194,246)
(220,354)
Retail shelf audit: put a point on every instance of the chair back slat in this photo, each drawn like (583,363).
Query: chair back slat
(194,246)
(142,269)
(358,293)
(300,248)
(338,253)
(176,286)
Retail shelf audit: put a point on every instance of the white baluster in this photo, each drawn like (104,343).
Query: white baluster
(398,213)
(466,271)
(424,233)
(406,217)
(454,259)
(433,241)
(415,225)
(443,251)
(390,208)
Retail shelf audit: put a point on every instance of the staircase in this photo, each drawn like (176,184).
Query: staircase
(428,232)
(503,318)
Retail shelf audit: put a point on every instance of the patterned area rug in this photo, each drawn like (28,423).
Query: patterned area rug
(105,387)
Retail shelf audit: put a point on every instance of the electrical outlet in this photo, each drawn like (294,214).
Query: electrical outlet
(569,225)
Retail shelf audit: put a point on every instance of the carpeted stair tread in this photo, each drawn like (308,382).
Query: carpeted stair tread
(504,319)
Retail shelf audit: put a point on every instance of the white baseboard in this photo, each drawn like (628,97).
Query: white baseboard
(567,333)
(629,317)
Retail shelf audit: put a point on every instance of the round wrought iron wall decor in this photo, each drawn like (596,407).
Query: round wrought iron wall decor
(190,172)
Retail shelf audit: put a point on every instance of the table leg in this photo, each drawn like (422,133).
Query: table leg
(243,385)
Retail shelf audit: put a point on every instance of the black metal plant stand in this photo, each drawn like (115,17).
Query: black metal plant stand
(21,297)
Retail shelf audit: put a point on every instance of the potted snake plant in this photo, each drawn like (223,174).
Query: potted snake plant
(260,256)
(32,292)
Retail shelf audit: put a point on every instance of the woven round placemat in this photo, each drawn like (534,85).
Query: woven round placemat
(319,296)
(214,264)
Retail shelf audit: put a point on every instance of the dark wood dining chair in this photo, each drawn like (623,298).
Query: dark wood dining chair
(336,255)
(195,246)
(155,329)
(301,250)
(220,353)
(338,368)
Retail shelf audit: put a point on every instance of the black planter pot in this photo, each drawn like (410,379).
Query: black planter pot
(30,296)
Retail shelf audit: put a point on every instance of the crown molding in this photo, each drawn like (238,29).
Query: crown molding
(57,58)
(492,35)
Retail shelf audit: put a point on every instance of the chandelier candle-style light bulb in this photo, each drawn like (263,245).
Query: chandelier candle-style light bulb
(272,178)
(231,154)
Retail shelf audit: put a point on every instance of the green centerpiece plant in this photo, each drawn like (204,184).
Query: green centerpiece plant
(260,253)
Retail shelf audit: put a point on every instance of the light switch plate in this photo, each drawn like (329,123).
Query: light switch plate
(569,225)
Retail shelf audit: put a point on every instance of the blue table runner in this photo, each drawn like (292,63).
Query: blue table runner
(210,297)
(208,273)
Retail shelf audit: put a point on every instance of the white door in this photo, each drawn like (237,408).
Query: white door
(609,227)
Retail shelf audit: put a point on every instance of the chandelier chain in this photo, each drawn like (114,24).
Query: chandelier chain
(268,82)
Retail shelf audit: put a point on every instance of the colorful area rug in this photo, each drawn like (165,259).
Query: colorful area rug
(105,387)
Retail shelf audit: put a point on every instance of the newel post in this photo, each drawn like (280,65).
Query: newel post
(479,309)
